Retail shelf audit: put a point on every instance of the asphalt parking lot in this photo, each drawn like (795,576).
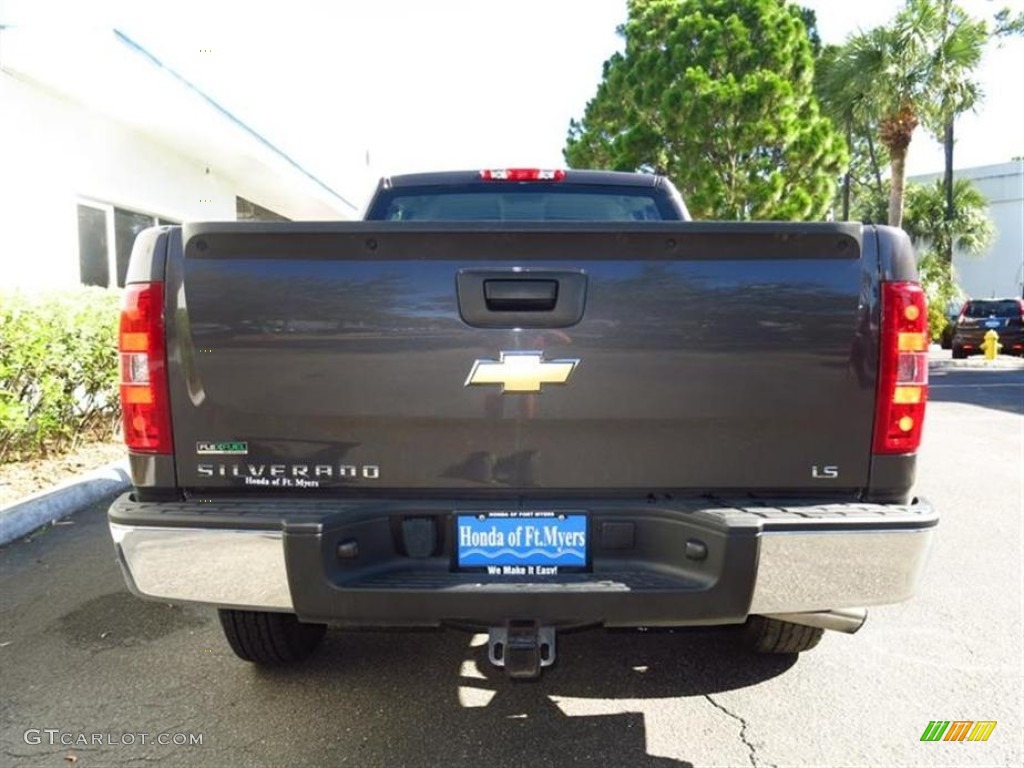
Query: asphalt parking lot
(79,656)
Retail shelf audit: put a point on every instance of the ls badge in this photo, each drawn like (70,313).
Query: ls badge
(521,371)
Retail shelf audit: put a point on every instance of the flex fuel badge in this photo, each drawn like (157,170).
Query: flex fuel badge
(225,448)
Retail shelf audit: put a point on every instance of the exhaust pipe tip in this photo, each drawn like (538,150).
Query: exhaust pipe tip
(848,620)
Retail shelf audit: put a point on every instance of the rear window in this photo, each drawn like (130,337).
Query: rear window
(522,202)
(997,308)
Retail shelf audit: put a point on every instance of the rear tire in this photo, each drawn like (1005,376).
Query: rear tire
(269,638)
(959,353)
(764,635)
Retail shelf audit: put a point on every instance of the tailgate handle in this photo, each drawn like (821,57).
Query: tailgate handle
(521,298)
(521,295)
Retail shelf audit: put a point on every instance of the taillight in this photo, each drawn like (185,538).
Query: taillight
(521,174)
(145,407)
(902,369)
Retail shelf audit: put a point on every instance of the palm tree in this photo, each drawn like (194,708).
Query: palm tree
(960,46)
(883,75)
(970,231)
(957,53)
(840,100)
(914,70)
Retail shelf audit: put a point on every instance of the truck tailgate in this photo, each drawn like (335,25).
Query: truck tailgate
(706,356)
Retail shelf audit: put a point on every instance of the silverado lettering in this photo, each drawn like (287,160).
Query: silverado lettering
(687,475)
(367,472)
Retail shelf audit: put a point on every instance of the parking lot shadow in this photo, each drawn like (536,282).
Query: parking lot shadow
(435,700)
(999,388)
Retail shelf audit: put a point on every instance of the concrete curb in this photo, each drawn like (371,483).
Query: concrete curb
(24,516)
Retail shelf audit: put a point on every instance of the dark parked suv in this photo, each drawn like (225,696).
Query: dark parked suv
(1004,316)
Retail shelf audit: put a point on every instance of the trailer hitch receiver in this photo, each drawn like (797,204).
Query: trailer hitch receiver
(521,648)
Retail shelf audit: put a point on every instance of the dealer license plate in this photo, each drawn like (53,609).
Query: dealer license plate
(520,543)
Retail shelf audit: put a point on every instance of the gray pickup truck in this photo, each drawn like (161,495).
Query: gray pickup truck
(521,402)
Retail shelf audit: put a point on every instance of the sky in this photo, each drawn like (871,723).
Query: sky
(354,90)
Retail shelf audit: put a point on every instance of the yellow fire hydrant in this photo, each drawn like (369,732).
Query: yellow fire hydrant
(991,345)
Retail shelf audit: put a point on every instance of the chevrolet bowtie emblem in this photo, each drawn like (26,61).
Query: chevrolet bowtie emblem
(521,371)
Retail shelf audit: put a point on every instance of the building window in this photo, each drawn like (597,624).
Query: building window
(127,226)
(93,246)
(106,235)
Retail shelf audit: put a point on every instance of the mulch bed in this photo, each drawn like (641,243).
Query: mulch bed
(23,478)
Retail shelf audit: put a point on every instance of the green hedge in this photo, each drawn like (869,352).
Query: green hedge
(58,370)
(940,289)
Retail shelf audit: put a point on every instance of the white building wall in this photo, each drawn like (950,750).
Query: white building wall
(999,272)
(54,153)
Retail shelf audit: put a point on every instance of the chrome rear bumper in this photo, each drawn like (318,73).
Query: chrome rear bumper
(811,571)
(800,560)
(228,568)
